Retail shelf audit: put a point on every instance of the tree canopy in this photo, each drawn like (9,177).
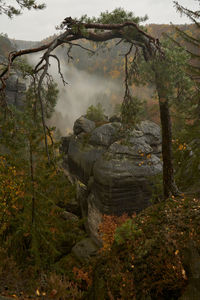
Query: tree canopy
(191,44)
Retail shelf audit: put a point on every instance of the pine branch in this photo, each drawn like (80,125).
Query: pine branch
(189,13)
(187,37)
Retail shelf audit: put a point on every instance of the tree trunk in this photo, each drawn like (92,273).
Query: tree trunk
(169,186)
(32,181)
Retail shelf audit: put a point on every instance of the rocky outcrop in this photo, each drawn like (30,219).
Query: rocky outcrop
(15,85)
(115,167)
(15,90)
(83,125)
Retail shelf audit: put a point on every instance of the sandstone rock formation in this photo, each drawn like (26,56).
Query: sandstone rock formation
(114,168)
(15,90)
(15,85)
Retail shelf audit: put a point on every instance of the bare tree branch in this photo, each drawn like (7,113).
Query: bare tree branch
(59,68)
(82,47)
(39,92)
(127,92)
(68,53)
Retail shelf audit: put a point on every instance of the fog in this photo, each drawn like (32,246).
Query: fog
(83,89)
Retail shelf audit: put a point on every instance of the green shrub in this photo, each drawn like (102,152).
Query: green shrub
(131,110)
(127,231)
(95,113)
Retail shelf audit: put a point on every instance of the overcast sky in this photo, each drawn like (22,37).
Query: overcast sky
(36,25)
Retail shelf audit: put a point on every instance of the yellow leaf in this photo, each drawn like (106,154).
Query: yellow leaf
(180,147)
(184,274)
(176,252)
(37,292)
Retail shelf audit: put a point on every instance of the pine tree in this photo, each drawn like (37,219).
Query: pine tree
(169,78)
(31,187)
(191,41)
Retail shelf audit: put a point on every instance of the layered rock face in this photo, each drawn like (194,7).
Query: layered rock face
(15,85)
(15,90)
(114,168)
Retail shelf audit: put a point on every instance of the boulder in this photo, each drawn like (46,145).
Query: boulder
(83,125)
(152,133)
(85,249)
(68,216)
(105,135)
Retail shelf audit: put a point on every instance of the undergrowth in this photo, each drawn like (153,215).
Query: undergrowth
(142,256)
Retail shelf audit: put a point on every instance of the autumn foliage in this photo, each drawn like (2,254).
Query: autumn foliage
(151,261)
(108,227)
(11,192)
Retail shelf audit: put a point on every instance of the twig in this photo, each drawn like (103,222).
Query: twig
(82,47)
(59,68)
(127,92)
(42,108)
(68,53)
